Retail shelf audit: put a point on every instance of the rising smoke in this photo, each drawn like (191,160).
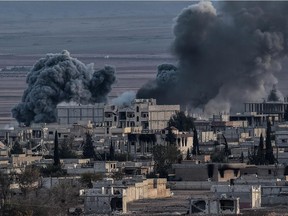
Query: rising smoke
(162,88)
(225,56)
(125,99)
(60,78)
(275,95)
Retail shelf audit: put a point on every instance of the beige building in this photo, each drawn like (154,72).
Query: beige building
(19,160)
(108,196)
(144,113)
(159,115)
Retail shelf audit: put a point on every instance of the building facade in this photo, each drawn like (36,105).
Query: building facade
(269,107)
(70,114)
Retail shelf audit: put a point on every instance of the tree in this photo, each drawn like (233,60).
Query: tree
(188,156)
(52,171)
(28,179)
(118,175)
(269,156)
(286,114)
(16,149)
(65,151)
(218,157)
(181,122)
(170,137)
(164,157)
(260,159)
(227,151)
(242,158)
(195,150)
(5,183)
(88,148)
(56,150)
(210,170)
(252,157)
(87,178)
(111,152)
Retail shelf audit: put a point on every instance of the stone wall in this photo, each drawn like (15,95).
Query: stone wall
(274,195)
(250,196)
(193,185)
(148,189)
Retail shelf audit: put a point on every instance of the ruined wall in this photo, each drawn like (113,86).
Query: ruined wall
(194,172)
(22,159)
(148,189)
(193,185)
(250,196)
(274,195)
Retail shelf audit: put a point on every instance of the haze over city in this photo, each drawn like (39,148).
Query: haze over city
(143,107)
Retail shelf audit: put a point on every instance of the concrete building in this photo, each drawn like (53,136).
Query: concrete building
(214,206)
(143,113)
(250,196)
(278,108)
(70,114)
(253,119)
(159,115)
(107,196)
(218,172)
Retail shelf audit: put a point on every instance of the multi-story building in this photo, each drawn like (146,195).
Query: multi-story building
(70,114)
(267,107)
(143,113)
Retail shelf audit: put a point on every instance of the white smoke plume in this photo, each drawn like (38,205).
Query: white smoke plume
(125,99)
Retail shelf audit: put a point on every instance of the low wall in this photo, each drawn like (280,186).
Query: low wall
(193,185)
(49,182)
(274,195)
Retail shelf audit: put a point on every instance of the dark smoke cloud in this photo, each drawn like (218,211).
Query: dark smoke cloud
(57,78)
(225,57)
(167,77)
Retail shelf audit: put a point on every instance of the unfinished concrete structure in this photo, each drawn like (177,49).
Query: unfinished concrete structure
(274,195)
(107,196)
(267,107)
(214,206)
(70,114)
(143,113)
(250,196)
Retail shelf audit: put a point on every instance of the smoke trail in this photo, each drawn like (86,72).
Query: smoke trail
(227,56)
(57,78)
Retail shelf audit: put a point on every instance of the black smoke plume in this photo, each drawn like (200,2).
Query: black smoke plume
(57,78)
(225,56)
(162,87)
